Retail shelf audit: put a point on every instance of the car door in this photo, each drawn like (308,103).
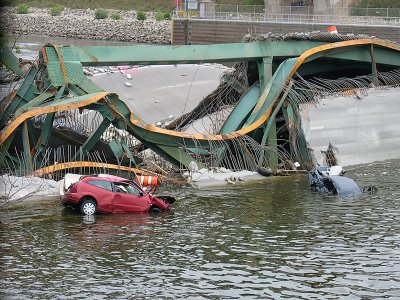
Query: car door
(128,199)
(102,191)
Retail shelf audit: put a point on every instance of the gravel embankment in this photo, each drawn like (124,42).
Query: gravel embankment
(81,23)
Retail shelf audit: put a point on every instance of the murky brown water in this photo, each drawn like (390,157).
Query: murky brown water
(274,239)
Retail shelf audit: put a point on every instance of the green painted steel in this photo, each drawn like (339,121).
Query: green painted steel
(242,108)
(160,54)
(358,54)
(271,91)
(4,148)
(27,148)
(26,92)
(33,103)
(10,61)
(270,128)
(265,70)
(94,137)
(292,126)
(275,62)
(374,69)
(45,134)
(180,155)
(128,153)
(33,135)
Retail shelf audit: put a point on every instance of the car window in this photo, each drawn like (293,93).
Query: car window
(101,184)
(126,189)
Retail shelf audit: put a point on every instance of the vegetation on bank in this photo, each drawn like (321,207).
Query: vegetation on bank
(115,16)
(22,8)
(100,14)
(140,15)
(56,10)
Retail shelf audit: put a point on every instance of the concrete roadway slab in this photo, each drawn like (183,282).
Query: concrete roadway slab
(363,130)
(157,92)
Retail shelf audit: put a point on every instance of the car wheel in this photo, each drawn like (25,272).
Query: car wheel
(88,207)
(155,210)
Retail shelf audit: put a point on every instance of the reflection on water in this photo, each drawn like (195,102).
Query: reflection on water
(274,239)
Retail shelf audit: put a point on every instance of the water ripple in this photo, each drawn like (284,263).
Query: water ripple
(275,239)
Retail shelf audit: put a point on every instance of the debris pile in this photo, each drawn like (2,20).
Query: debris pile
(319,36)
(207,177)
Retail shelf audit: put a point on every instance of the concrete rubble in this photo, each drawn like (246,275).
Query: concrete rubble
(214,177)
(15,188)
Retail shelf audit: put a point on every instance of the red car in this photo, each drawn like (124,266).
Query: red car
(112,194)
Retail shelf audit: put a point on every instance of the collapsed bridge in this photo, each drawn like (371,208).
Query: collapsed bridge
(277,82)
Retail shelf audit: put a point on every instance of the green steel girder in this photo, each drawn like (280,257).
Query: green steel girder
(26,92)
(128,152)
(45,134)
(180,155)
(328,66)
(270,129)
(360,54)
(34,102)
(94,137)
(89,87)
(60,93)
(10,61)
(374,68)
(27,147)
(265,70)
(117,149)
(5,146)
(242,108)
(65,69)
(272,90)
(160,54)
(170,156)
(32,132)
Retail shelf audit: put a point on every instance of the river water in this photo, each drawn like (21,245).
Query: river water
(267,240)
(273,239)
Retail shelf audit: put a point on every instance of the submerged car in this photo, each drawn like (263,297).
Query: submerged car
(110,194)
(331,181)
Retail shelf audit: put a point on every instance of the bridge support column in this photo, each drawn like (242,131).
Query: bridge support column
(265,71)
(374,68)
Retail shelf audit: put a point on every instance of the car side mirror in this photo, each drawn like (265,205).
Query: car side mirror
(141,194)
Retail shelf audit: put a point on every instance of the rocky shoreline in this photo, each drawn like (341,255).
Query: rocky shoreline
(81,23)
